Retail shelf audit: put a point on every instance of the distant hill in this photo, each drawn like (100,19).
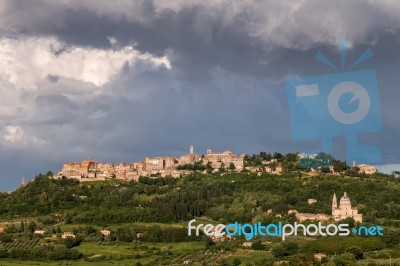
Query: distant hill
(388,168)
(223,197)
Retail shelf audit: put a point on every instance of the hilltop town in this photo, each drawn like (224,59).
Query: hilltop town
(163,166)
(91,170)
(87,219)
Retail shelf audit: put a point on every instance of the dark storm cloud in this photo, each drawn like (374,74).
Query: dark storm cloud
(201,36)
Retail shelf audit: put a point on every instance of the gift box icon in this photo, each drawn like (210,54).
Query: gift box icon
(337,104)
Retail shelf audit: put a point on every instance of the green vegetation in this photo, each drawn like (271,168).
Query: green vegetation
(147,218)
(197,166)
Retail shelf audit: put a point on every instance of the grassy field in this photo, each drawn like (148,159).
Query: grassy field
(67,263)
(255,256)
(91,248)
(119,254)
(69,227)
(182,247)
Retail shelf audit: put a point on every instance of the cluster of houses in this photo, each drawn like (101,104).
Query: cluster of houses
(64,235)
(270,167)
(90,170)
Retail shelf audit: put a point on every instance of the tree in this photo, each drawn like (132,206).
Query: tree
(208,242)
(49,173)
(344,259)
(32,226)
(5,238)
(22,227)
(391,238)
(257,245)
(356,251)
(278,251)
(71,242)
(284,249)
(339,166)
(350,221)
(264,262)
(236,262)
(223,263)
(300,260)
(3,253)
(11,229)
(356,169)
(232,166)
(222,167)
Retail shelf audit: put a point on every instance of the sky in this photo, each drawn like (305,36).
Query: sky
(122,80)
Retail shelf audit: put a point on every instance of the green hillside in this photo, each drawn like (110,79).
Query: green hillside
(147,218)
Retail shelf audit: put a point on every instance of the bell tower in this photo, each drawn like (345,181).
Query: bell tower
(23,182)
(191,154)
(334,203)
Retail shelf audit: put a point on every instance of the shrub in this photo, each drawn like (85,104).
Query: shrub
(356,251)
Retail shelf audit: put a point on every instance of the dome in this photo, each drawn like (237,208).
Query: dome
(345,199)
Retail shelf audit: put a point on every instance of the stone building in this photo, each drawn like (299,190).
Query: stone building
(319,256)
(105,232)
(301,217)
(68,235)
(367,169)
(79,170)
(159,163)
(138,166)
(218,159)
(189,158)
(344,210)
(122,170)
(311,201)
(106,170)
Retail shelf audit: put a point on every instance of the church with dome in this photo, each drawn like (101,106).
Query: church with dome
(344,210)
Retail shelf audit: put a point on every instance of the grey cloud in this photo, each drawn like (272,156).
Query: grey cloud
(210,34)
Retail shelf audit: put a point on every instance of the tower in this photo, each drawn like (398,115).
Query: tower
(191,154)
(23,182)
(334,203)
